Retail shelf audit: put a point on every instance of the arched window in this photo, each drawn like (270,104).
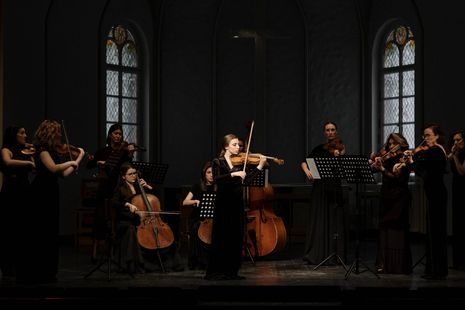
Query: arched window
(122,80)
(398,80)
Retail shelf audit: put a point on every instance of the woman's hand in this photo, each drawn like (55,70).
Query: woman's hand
(132,208)
(240,174)
(144,184)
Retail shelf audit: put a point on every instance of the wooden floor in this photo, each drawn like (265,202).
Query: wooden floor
(282,281)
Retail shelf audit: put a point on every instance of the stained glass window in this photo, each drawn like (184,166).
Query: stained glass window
(122,81)
(398,78)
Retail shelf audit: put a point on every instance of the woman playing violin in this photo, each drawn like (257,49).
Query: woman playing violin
(197,256)
(457,163)
(228,220)
(108,161)
(430,164)
(394,254)
(137,259)
(43,215)
(16,167)
(326,216)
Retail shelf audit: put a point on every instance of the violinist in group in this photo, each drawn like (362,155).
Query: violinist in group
(108,161)
(128,216)
(16,164)
(429,162)
(197,256)
(394,254)
(228,220)
(325,226)
(42,216)
(457,163)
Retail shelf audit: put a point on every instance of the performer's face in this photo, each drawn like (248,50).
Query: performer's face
(233,147)
(21,136)
(209,175)
(330,131)
(117,136)
(130,176)
(430,137)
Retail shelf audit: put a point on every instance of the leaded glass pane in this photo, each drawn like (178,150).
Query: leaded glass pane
(408,131)
(391,56)
(408,83)
(112,53)
(112,83)
(129,55)
(408,109)
(130,133)
(112,109)
(129,111)
(130,85)
(391,85)
(387,130)
(108,126)
(408,57)
(130,37)
(391,111)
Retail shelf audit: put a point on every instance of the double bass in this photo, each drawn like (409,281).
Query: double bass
(152,232)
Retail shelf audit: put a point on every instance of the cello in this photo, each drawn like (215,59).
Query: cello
(152,232)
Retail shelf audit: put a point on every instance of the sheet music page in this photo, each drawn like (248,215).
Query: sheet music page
(313,169)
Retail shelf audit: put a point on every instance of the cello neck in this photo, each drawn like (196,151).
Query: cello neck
(144,196)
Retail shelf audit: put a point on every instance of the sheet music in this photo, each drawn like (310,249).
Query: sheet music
(313,169)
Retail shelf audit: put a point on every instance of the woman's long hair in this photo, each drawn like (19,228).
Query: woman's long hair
(10,141)
(112,128)
(203,178)
(47,133)
(398,139)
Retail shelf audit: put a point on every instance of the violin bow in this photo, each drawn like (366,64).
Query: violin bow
(66,139)
(248,146)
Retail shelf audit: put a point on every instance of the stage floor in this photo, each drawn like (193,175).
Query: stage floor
(279,281)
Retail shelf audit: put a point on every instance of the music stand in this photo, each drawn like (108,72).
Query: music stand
(207,205)
(357,170)
(327,168)
(260,179)
(109,246)
(152,173)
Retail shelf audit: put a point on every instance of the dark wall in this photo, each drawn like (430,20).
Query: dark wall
(295,65)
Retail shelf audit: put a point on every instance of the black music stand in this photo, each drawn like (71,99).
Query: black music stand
(357,170)
(327,168)
(207,205)
(260,179)
(152,173)
(107,258)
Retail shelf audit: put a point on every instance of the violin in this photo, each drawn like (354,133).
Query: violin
(125,146)
(67,150)
(28,149)
(334,145)
(252,159)
(384,154)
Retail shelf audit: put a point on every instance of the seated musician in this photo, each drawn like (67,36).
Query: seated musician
(128,217)
(108,160)
(198,250)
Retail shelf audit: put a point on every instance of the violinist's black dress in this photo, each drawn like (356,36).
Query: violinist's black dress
(458,215)
(39,263)
(228,223)
(394,254)
(430,165)
(14,199)
(325,226)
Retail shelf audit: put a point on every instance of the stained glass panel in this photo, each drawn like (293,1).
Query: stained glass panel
(387,130)
(112,109)
(408,83)
(129,55)
(129,110)
(130,133)
(112,83)
(112,53)
(391,85)
(408,109)
(408,57)
(391,111)
(130,85)
(391,56)
(408,131)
